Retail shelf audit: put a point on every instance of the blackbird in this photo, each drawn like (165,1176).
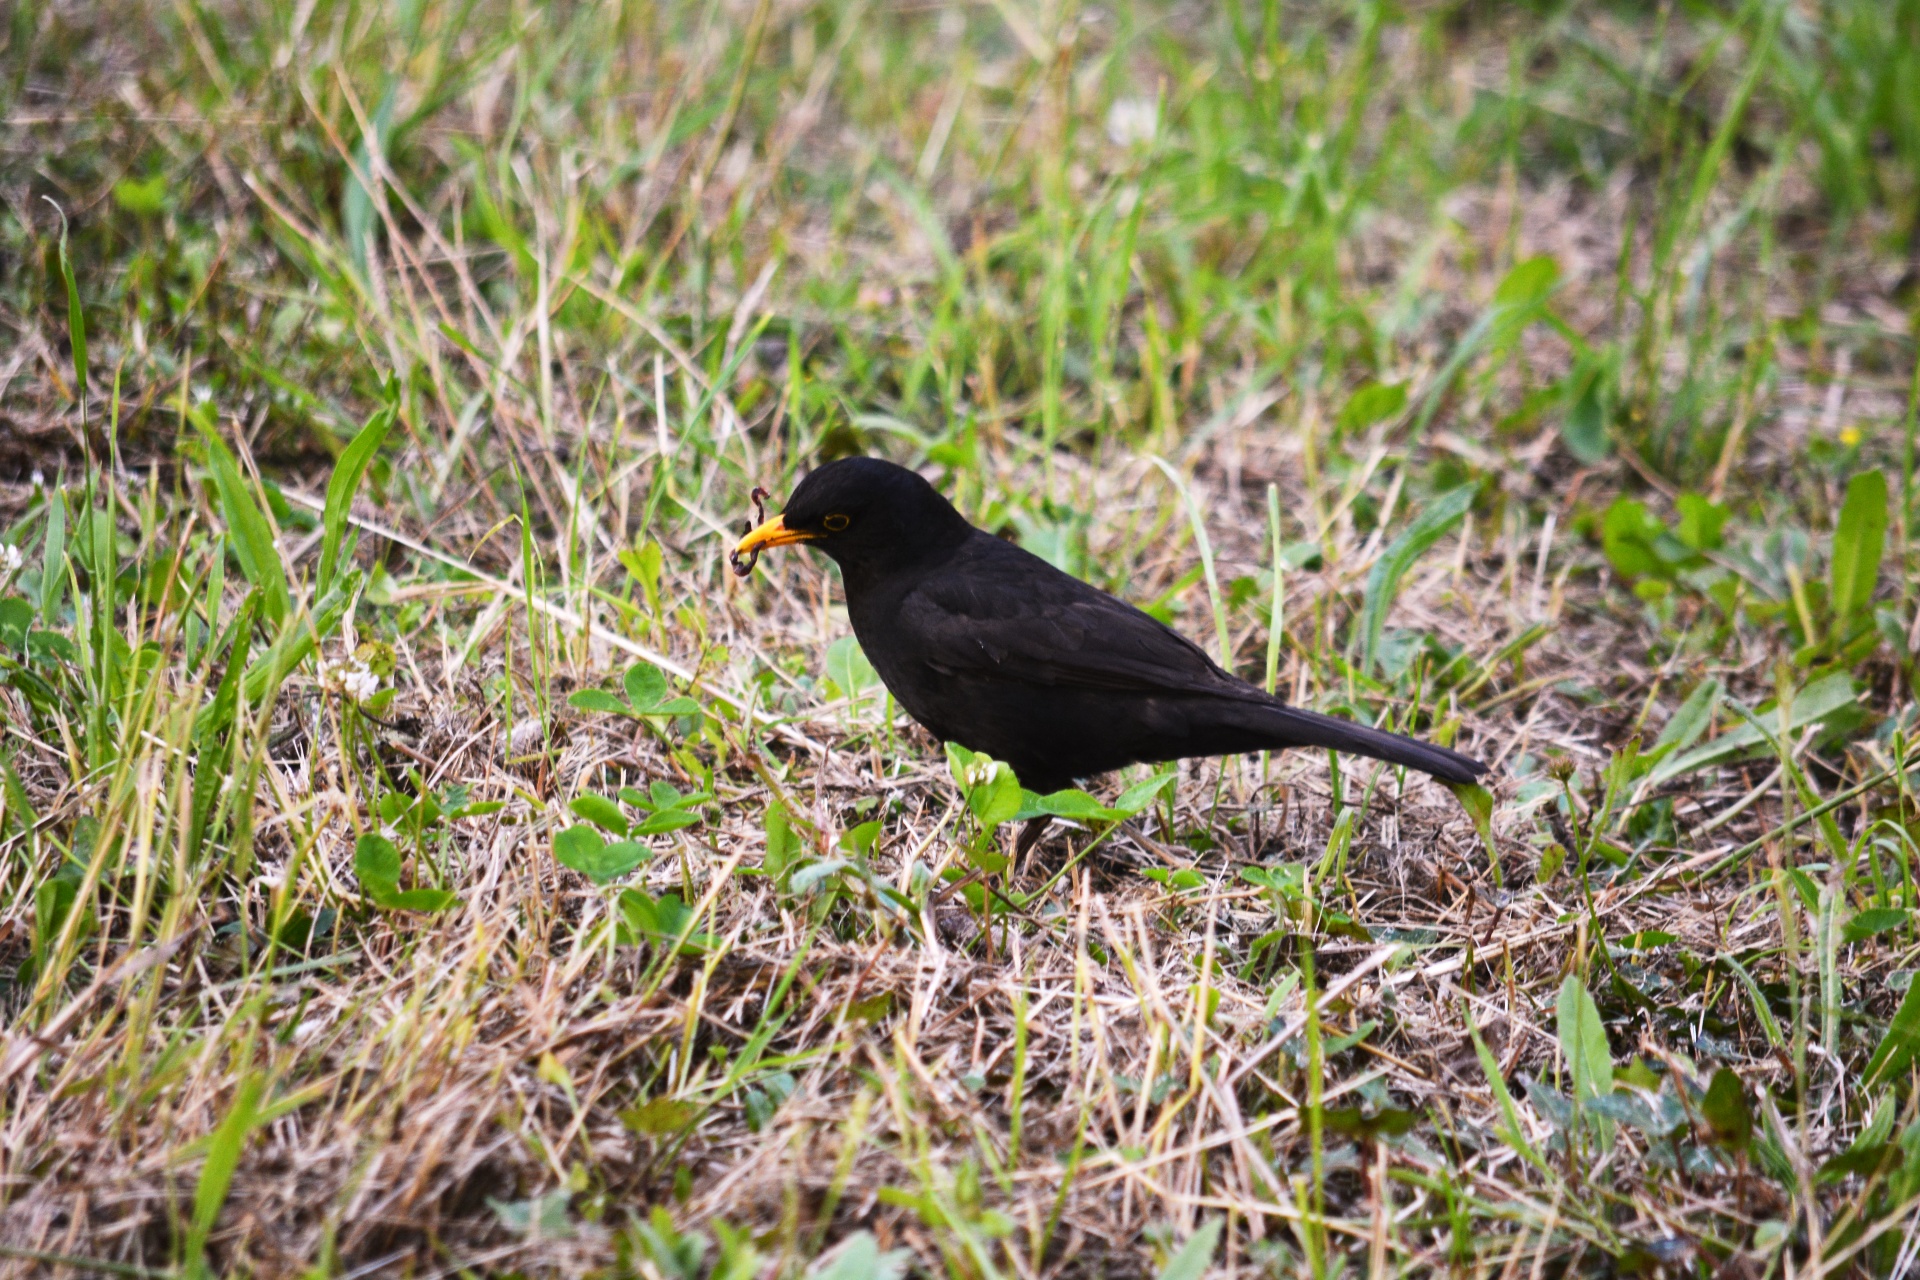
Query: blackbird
(990,646)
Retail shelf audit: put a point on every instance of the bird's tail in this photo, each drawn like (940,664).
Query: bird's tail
(1289,726)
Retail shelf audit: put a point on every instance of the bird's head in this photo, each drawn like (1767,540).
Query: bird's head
(864,512)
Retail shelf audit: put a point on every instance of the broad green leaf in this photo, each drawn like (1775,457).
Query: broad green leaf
(1196,1255)
(783,843)
(1875,920)
(859,1258)
(377,862)
(341,487)
(1857,542)
(1689,722)
(665,820)
(682,706)
(1528,284)
(1725,1111)
(860,840)
(848,668)
(601,812)
(248,531)
(1077,806)
(646,687)
(1700,522)
(1628,533)
(142,197)
(582,849)
(16,617)
(1137,797)
(427,900)
(1383,580)
(1584,1041)
(1589,397)
(1374,402)
(1830,693)
(658,1116)
(597,700)
(1478,802)
(1898,1046)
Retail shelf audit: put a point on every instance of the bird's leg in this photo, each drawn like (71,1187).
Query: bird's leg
(1030,832)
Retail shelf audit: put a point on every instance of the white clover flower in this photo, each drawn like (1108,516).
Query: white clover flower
(10,560)
(350,677)
(1133,121)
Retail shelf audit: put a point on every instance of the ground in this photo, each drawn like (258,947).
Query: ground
(420,855)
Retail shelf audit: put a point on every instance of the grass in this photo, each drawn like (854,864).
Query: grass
(418,854)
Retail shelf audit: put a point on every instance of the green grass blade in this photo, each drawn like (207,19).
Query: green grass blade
(248,530)
(345,482)
(1383,580)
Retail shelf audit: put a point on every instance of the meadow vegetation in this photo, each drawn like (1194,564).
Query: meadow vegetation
(420,856)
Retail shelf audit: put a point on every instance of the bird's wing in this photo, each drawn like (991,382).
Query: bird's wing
(1022,620)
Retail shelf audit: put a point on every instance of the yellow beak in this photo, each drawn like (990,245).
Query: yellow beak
(774,533)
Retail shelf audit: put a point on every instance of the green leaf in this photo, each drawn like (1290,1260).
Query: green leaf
(377,862)
(53,558)
(1074,805)
(1374,402)
(1897,1047)
(666,820)
(597,700)
(1383,580)
(859,1258)
(1689,722)
(860,840)
(1875,920)
(16,617)
(646,686)
(581,848)
(1584,1041)
(1585,429)
(248,531)
(1628,533)
(601,812)
(1528,284)
(1824,697)
(657,1117)
(76,321)
(674,707)
(1700,522)
(783,843)
(142,197)
(1857,542)
(341,487)
(848,668)
(224,1148)
(1196,1255)
(428,900)
(1725,1110)
(1141,794)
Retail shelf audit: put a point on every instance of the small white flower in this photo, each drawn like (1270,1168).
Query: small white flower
(1133,121)
(351,678)
(10,560)
(39,478)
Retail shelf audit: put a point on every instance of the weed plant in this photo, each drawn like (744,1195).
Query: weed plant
(419,855)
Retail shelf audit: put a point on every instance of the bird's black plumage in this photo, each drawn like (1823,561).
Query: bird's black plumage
(990,646)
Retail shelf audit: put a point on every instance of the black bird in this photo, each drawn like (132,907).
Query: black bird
(990,646)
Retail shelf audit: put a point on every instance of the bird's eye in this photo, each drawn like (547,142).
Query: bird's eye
(835,523)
